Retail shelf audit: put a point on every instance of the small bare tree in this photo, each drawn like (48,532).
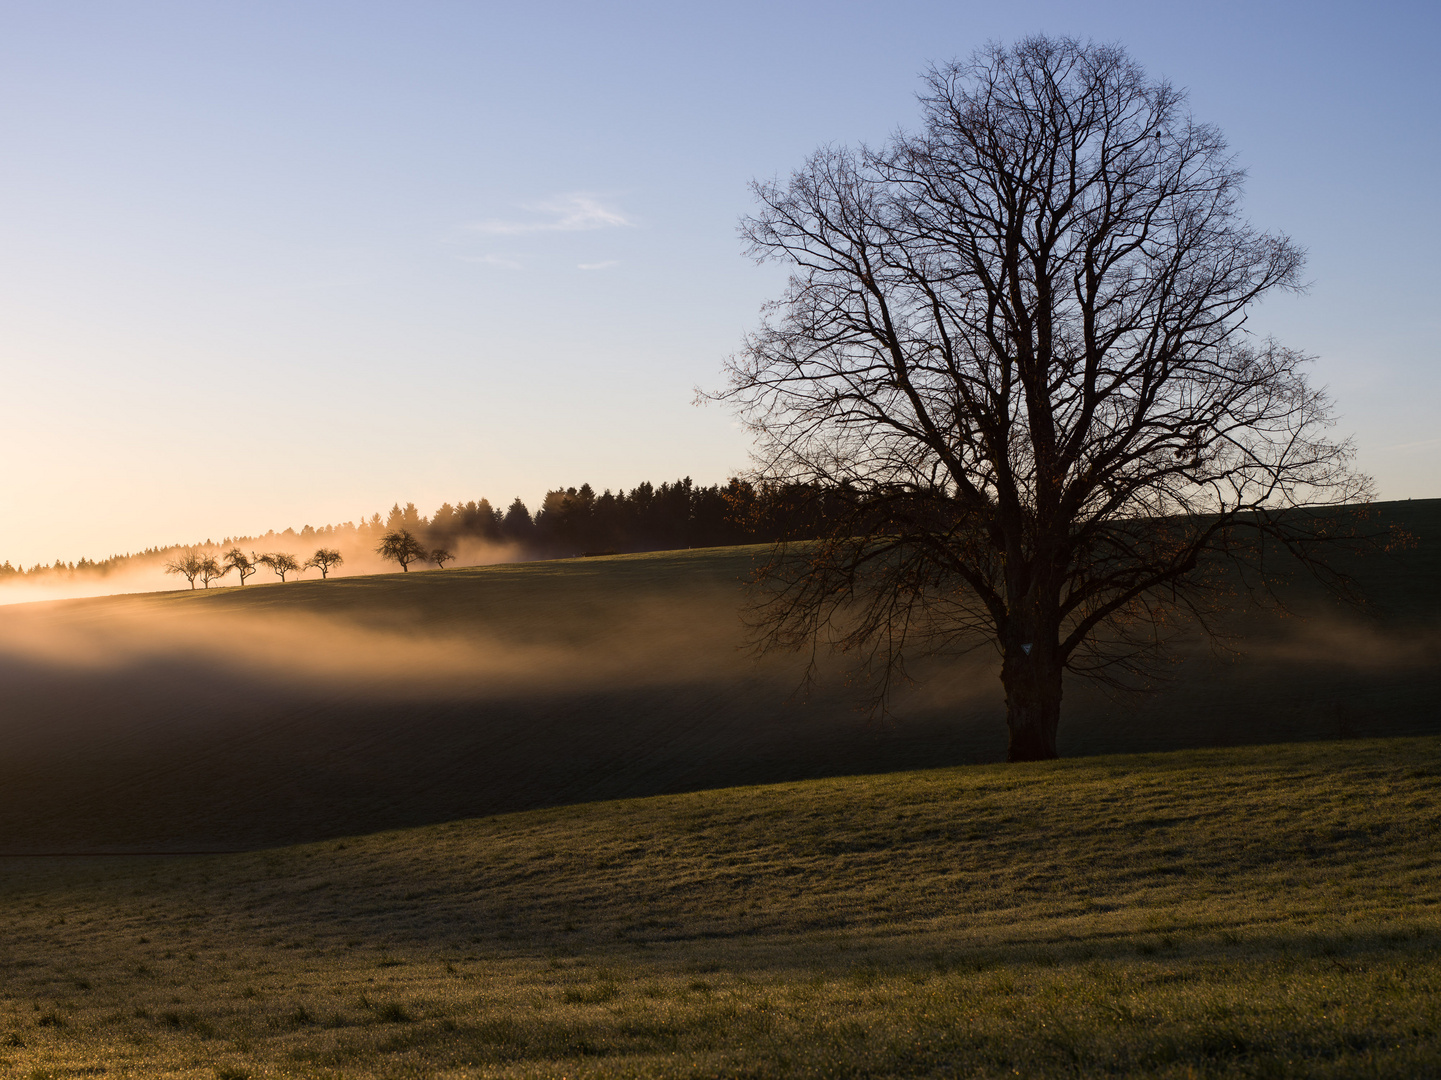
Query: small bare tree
(401,547)
(281,562)
(1012,353)
(237,560)
(324,560)
(440,556)
(211,569)
(189,564)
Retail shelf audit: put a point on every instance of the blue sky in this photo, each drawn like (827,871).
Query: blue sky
(270,264)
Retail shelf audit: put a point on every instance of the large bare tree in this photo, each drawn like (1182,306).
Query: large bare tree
(1013,346)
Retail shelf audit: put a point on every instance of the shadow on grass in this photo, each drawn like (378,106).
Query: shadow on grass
(171,758)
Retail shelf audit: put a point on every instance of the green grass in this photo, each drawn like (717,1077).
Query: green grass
(1263,911)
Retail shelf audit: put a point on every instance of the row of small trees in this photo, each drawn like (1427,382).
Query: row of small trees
(205,566)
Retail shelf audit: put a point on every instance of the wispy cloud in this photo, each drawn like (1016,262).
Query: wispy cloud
(1407,447)
(564,213)
(598,266)
(491,260)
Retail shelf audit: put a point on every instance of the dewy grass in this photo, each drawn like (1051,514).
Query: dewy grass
(1266,911)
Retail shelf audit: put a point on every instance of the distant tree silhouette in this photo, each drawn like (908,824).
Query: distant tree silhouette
(237,560)
(282,562)
(517,525)
(571,520)
(324,560)
(407,520)
(188,565)
(446,520)
(402,547)
(211,569)
(481,520)
(440,557)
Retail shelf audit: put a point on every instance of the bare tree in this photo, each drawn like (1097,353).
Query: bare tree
(402,547)
(281,562)
(324,560)
(440,556)
(211,569)
(1012,348)
(189,564)
(237,560)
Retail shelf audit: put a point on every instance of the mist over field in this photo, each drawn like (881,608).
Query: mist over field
(273,713)
(642,641)
(146,573)
(569,521)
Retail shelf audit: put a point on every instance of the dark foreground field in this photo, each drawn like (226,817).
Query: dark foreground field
(1265,911)
(275,714)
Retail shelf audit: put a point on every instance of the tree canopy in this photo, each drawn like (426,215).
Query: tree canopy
(402,547)
(1014,341)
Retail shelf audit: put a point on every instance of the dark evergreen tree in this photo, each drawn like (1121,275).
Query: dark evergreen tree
(518,526)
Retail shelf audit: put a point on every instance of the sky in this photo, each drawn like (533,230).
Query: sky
(274,264)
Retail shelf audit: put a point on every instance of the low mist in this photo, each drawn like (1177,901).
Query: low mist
(641,642)
(146,573)
(277,713)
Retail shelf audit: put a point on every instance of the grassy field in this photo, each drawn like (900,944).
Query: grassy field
(1262,911)
(277,714)
(551,819)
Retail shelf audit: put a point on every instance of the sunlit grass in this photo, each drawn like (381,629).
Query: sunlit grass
(1269,911)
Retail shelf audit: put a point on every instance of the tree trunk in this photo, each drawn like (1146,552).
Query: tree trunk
(1033,703)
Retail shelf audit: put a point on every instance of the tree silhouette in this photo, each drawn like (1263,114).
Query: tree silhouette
(281,562)
(402,547)
(236,560)
(324,560)
(517,525)
(189,564)
(1012,353)
(440,557)
(211,569)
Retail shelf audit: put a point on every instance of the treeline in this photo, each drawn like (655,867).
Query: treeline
(570,521)
(83,565)
(577,521)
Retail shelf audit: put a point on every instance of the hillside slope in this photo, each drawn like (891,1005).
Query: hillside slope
(1264,911)
(272,714)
